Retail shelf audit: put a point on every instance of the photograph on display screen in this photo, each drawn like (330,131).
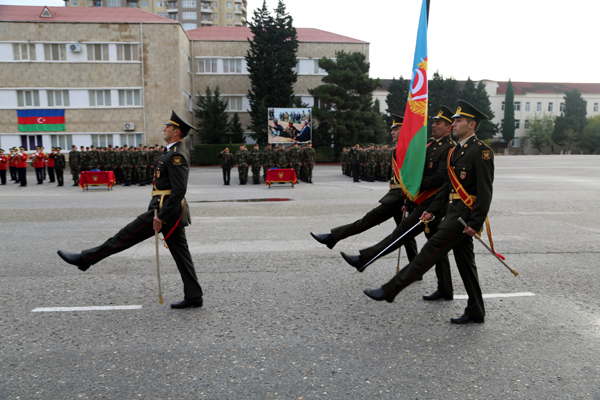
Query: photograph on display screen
(288,125)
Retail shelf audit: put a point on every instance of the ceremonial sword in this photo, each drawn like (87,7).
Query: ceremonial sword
(393,243)
(160,298)
(515,273)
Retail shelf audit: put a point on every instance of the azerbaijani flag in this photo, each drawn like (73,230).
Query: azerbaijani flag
(412,143)
(41,120)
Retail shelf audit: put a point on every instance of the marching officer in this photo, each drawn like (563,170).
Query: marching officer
(173,215)
(468,194)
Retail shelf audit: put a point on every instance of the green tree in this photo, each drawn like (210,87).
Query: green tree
(214,123)
(508,124)
(539,130)
(442,92)
(236,130)
(477,96)
(396,98)
(270,60)
(345,101)
(569,126)
(382,123)
(591,134)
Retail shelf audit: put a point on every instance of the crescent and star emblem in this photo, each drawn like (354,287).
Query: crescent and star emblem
(41,120)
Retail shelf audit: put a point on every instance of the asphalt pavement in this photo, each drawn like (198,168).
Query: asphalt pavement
(284,317)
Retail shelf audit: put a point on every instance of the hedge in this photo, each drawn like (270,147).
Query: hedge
(206,154)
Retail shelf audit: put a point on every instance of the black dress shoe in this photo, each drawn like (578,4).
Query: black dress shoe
(197,302)
(355,261)
(438,296)
(324,238)
(465,319)
(74,259)
(377,294)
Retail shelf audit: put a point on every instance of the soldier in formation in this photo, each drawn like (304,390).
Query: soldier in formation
(241,159)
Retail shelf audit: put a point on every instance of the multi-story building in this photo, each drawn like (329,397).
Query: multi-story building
(116,73)
(219,61)
(530,98)
(191,13)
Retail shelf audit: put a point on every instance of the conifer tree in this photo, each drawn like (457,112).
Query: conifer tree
(214,123)
(396,98)
(236,130)
(270,60)
(569,126)
(345,101)
(508,124)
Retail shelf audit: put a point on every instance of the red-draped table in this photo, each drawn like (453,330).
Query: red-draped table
(90,178)
(283,175)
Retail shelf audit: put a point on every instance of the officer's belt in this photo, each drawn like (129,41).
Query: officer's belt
(456,196)
(395,186)
(162,194)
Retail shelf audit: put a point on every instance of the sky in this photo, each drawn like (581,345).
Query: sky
(521,40)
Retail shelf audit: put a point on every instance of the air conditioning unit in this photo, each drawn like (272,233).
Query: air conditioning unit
(75,47)
(128,126)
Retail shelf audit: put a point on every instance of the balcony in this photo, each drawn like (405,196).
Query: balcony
(238,23)
(238,12)
(206,10)
(206,22)
(238,1)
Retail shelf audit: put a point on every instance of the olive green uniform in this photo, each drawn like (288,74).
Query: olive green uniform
(171,174)
(255,159)
(310,157)
(474,167)
(241,159)
(75,165)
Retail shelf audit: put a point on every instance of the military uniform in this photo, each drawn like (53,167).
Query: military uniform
(93,159)
(241,159)
(3,167)
(255,159)
(294,157)
(268,160)
(127,163)
(226,165)
(168,197)
(281,158)
(59,166)
(310,157)
(473,163)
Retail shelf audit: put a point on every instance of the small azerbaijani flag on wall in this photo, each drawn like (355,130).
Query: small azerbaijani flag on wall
(412,142)
(41,120)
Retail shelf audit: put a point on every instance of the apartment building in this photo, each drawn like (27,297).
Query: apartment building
(191,13)
(219,61)
(115,74)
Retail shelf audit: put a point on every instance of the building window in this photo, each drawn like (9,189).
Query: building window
(215,16)
(539,106)
(23,51)
(562,107)
(63,141)
(517,123)
(189,15)
(172,16)
(551,106)
(95,3)
(99,98)
(161,4)
(207,65)
(114,3)
(28,98)
(131,139)
(162,14)
(55,52)
(133,4)
(145,3)
(73,2)
(102,140)
(228,4)
(517,106)
(30,142)
(526,142)
(527,106)
(317,69)
(97,52)
(130,97)
(503,105)
(215,5)
(128,52)
(515,142)
(595,107)
(206,6)
(526,127)
(234,103)
(189,4)
(237,7)
(189,26)
(58,98)
(237,18)
(233,66)
(229,16)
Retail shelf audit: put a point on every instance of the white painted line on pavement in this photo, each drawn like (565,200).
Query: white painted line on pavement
(91,308)
(492,296)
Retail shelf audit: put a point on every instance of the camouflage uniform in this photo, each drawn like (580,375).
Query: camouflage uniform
(241,159)
(255,159)
(93,159)
(127,156)
(310,157)
(75,165)
(281,158)
(294,158)
(142,166)
(268,160)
